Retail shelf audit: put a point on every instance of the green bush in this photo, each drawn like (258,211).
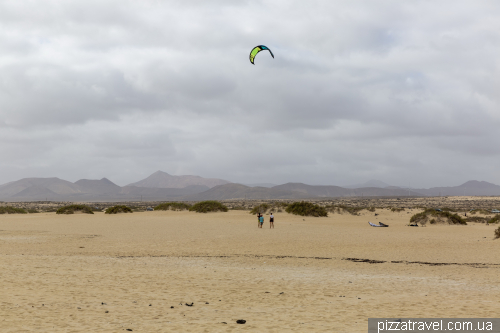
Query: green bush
(495,219)
(208,206)
(72,208)
(11,210)
(118,209)
(173,206)
(397,210)
(306,209)
(32,211)
(424,216)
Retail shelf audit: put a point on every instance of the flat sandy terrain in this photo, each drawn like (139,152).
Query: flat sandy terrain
(102,273)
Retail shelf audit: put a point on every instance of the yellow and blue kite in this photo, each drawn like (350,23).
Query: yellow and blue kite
(256,50)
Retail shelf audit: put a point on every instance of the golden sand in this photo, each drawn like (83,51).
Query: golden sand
(102,273)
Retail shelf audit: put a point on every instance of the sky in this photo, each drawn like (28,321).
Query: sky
(406,92)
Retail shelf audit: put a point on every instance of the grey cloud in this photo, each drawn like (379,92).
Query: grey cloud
(358,90)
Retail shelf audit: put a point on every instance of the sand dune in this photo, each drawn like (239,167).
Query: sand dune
(57,271)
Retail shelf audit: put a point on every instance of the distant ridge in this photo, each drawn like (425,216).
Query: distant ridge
(161,179)
(291,191)
(55,189)
(469,188)
(103,185)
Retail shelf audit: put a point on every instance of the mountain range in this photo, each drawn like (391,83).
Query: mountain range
(161,186)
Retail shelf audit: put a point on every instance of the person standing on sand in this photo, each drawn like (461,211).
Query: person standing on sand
(261,220)
(258,220)
(271,221)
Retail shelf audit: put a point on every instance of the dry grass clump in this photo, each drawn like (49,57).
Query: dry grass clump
(477,219)
(306,209)
(480,211)
(71,209)
(118,209)
(397,209)
(208,206)
(11,210)
(434,216)
(176,206)
(273,207)
(497,233)
(495,219)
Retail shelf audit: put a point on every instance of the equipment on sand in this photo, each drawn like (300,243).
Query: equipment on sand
(380,224)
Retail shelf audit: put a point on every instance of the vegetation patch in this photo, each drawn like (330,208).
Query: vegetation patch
(238,208)
(11,210)
(118,209)
(397,209)
(208,206)
(434,216)
(477,219)
(495,219)
(32,211)
(340,209)
(71,209)
(173,206)
(273,207)
(306,209)
(479,211)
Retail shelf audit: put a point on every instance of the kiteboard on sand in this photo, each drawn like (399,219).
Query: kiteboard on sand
(380,224)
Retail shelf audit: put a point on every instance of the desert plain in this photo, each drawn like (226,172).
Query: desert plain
(180,271)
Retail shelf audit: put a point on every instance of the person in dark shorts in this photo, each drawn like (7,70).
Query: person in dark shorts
(261,221)
(258,220)
(271,221)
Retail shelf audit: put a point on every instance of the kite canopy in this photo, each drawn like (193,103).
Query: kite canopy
(256,50)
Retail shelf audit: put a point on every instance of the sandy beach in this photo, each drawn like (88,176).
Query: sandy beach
(110,273)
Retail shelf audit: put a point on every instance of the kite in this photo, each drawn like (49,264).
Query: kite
(256,50)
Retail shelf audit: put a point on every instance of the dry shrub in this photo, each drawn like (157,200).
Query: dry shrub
(118,209)
(306,209)
(71,209)
(208,206)
(497,233)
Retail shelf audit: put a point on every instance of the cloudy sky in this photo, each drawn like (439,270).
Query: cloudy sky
(400,91)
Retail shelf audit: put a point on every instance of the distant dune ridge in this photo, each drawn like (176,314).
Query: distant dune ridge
(164,180)
(163,186)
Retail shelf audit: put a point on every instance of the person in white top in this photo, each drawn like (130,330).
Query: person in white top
(271,221)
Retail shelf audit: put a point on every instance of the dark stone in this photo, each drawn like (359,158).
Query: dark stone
(241,321)
(187,304)
(171,307)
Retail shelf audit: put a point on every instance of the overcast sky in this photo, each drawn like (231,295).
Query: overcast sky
(400,91)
